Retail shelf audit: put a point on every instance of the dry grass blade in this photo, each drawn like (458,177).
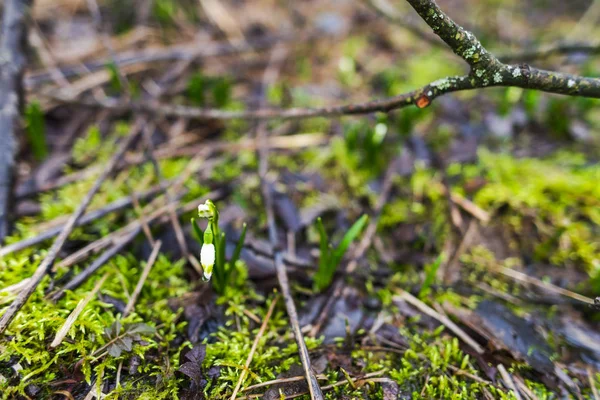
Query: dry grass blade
(64,330)
(45,265)
(259,335)
(508,382)
(425,309)
(96,265)
(143,277)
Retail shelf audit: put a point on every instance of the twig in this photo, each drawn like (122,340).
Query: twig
(447,271)
(88,217)
(259,335)
(508,382)
(486,71)
(64,330)
(269,77)
(425,309)
(279,381)
(386,10)
(370,377)
(592,381)
(179,235)
(551,50)
(519,276)
(362,247)
(192,52)
(357,381)
(97,264)
(143,277)
(142,217)
(45,265)
(12,64)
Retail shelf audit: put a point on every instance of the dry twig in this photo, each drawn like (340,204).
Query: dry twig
(269,77)
(64,330)
(143,277)
(259,335)
(425,309)
(486,70)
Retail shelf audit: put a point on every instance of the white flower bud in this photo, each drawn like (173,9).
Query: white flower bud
(204,211)
(207,259)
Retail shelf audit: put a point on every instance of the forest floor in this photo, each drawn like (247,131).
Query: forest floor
(474,277)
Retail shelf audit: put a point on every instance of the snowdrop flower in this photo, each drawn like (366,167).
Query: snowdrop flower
(207,259)
(207,253)
(204,210)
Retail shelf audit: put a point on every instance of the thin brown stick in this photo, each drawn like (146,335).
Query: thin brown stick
(143,277)
(87,218)
(592,381)
(142,217)
(269,77)
(179,235)
(46,264)
(444,320)
(519,276)
(64,330)
(508,382)
(98,263)
(259,335)
(486,70)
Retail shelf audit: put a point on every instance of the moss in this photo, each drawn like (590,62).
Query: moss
(40,319)
(559,196)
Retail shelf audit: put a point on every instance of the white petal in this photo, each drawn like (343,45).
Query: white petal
(204,211)
(207,255)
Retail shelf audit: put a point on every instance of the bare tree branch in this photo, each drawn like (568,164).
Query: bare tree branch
(486,71)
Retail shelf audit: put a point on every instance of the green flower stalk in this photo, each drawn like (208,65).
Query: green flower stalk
(212,251)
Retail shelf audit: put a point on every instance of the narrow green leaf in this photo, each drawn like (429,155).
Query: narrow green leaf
(430,275)
(238,247)
(220,266)
(323,245)
(36,130)
(198,231)
(348,238)
(115,80)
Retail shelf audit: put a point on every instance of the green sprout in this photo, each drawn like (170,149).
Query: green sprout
(330,258)
(212,252)
(430,275)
